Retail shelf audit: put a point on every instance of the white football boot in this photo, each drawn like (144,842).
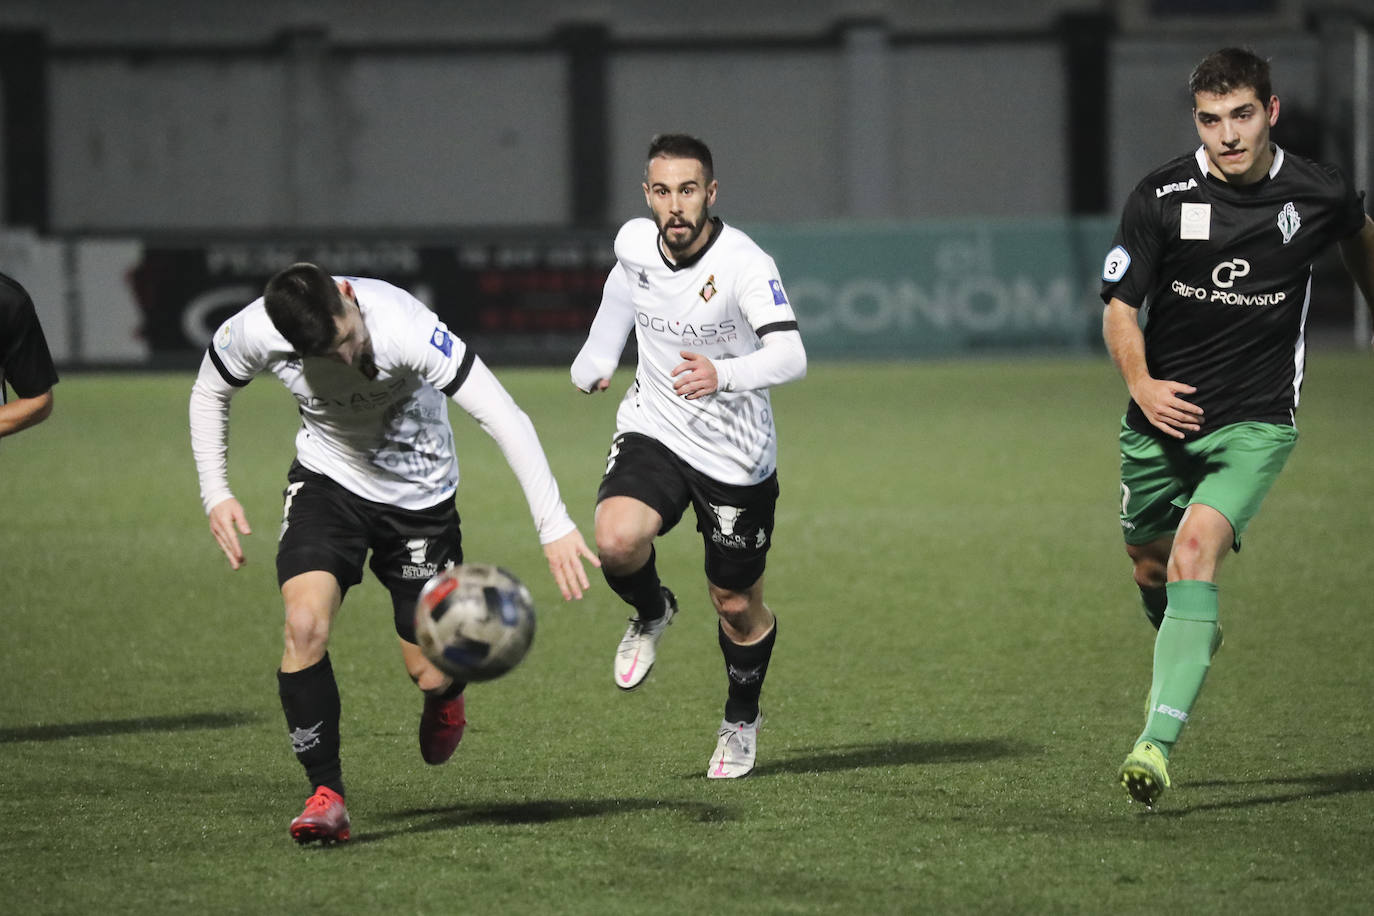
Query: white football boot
(736,748)
(638,647)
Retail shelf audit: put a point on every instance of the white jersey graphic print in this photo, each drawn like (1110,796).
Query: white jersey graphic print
(387,439)
(721,304)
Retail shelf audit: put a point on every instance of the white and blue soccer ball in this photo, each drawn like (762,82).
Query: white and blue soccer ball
(474,621)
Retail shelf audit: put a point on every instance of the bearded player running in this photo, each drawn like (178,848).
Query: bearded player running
(714,330)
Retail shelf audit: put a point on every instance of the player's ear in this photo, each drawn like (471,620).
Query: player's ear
(1273,110)
(711,193)
(647,198)
(346,290)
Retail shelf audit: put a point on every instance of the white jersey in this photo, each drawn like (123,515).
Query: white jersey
(726,302)
(387,439)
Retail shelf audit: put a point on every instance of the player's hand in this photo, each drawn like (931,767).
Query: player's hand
(695,377)
(227,522)
(565,562)
(1166,411)
(600,384)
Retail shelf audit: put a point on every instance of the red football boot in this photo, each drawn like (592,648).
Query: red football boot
(325,818)
(441,728)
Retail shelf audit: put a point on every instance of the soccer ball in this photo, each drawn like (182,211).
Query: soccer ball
(474,621)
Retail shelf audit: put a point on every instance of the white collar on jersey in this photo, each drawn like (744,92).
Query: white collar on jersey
(1201,157)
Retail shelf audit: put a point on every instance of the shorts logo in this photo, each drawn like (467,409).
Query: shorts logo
(1125,502)
(779,297)
(442,341)
(418,568)
(289,496)
(1289,222)
(709,289)
(1114,267)
(726,516)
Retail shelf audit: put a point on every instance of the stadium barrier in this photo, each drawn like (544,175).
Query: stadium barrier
(860,290)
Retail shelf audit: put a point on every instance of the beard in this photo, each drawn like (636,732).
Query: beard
(684,242)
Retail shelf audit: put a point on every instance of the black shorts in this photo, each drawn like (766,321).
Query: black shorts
(736,522)
(326,527)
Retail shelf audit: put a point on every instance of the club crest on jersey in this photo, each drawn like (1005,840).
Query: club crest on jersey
(643,278)
(709,289)
(1289,222)
(779,297)
(442,341)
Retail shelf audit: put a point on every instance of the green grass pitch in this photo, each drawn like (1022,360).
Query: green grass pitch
(959,671)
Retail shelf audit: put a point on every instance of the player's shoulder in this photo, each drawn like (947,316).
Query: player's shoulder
(738,242)
(379,292)
(1320,176)
(14,299)
(1178,174)
(250,330)
(637,240)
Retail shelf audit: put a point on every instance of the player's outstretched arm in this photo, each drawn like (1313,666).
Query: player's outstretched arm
(21,413)
(488,402)
(227,522)
(565,557)
(1157,398)
(1358,254)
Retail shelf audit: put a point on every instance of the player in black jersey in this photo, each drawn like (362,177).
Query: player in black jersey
(25,363)
(1220,243)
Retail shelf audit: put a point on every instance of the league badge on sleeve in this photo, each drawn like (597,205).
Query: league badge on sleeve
(779,297)
(1114,268)
(225,335)
(442,341)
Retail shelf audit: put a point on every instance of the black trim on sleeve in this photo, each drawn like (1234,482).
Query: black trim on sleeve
(776,326)
(223,372)
(461,375)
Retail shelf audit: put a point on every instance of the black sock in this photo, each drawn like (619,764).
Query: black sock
(310,699)
(640,589)
(746,667)
(1156,601)
(449,692)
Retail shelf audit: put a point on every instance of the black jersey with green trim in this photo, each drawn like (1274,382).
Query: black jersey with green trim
(1227,274)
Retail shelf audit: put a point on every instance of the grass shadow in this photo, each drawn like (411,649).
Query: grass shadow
(453,817)
(107,727)
(890,754)
(1314,785)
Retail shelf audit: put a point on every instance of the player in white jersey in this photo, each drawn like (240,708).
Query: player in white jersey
(375,469)
(714,330)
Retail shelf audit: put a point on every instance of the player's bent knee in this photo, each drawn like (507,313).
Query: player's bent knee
(618,548)
(731,605)
(306,634)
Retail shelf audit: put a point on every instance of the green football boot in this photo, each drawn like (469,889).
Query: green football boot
(1145,773)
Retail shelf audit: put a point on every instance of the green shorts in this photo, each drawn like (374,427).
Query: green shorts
(1230,470)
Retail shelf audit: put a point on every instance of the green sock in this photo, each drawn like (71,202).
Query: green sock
(1156,601)
(1183,653)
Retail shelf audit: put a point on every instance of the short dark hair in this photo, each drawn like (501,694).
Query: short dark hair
(682,146)
(1229,69)
(303,302)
